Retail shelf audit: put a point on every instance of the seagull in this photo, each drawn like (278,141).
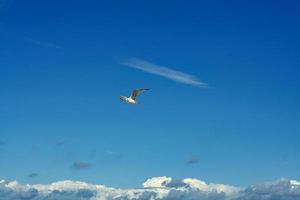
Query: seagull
(132,98)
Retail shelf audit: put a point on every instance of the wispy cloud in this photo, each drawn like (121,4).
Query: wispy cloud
(32,175)
(80,165)
(163,71)
(41,43)
(60,142)
(1,144)
(193,160)
(5,3)
(113,155)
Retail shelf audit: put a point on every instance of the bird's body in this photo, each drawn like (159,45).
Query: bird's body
(133,96)
(128,100)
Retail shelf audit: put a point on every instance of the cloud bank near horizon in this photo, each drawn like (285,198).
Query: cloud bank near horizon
(163,71)
(157,188)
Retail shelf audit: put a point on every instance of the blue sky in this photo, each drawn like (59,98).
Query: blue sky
(61,74)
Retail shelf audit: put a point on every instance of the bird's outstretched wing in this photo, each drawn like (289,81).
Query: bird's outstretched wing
(136,92)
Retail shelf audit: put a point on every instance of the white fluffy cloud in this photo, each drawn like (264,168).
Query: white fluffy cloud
(158,188)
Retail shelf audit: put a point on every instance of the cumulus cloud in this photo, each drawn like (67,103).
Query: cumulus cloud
(163,71)
(157,188)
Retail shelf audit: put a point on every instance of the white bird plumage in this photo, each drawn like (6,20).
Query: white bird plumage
(132,99)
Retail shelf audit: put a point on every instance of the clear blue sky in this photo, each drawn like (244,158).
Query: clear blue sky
(60,79)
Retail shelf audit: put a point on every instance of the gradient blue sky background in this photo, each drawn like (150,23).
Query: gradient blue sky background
(60,79)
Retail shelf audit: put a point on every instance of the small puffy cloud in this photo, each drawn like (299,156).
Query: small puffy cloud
(157,188)
(157,182)
(80,165)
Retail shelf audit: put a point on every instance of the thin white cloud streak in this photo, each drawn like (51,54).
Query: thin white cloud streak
(42,43)
(163,71)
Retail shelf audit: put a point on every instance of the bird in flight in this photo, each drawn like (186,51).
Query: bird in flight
(133,96)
